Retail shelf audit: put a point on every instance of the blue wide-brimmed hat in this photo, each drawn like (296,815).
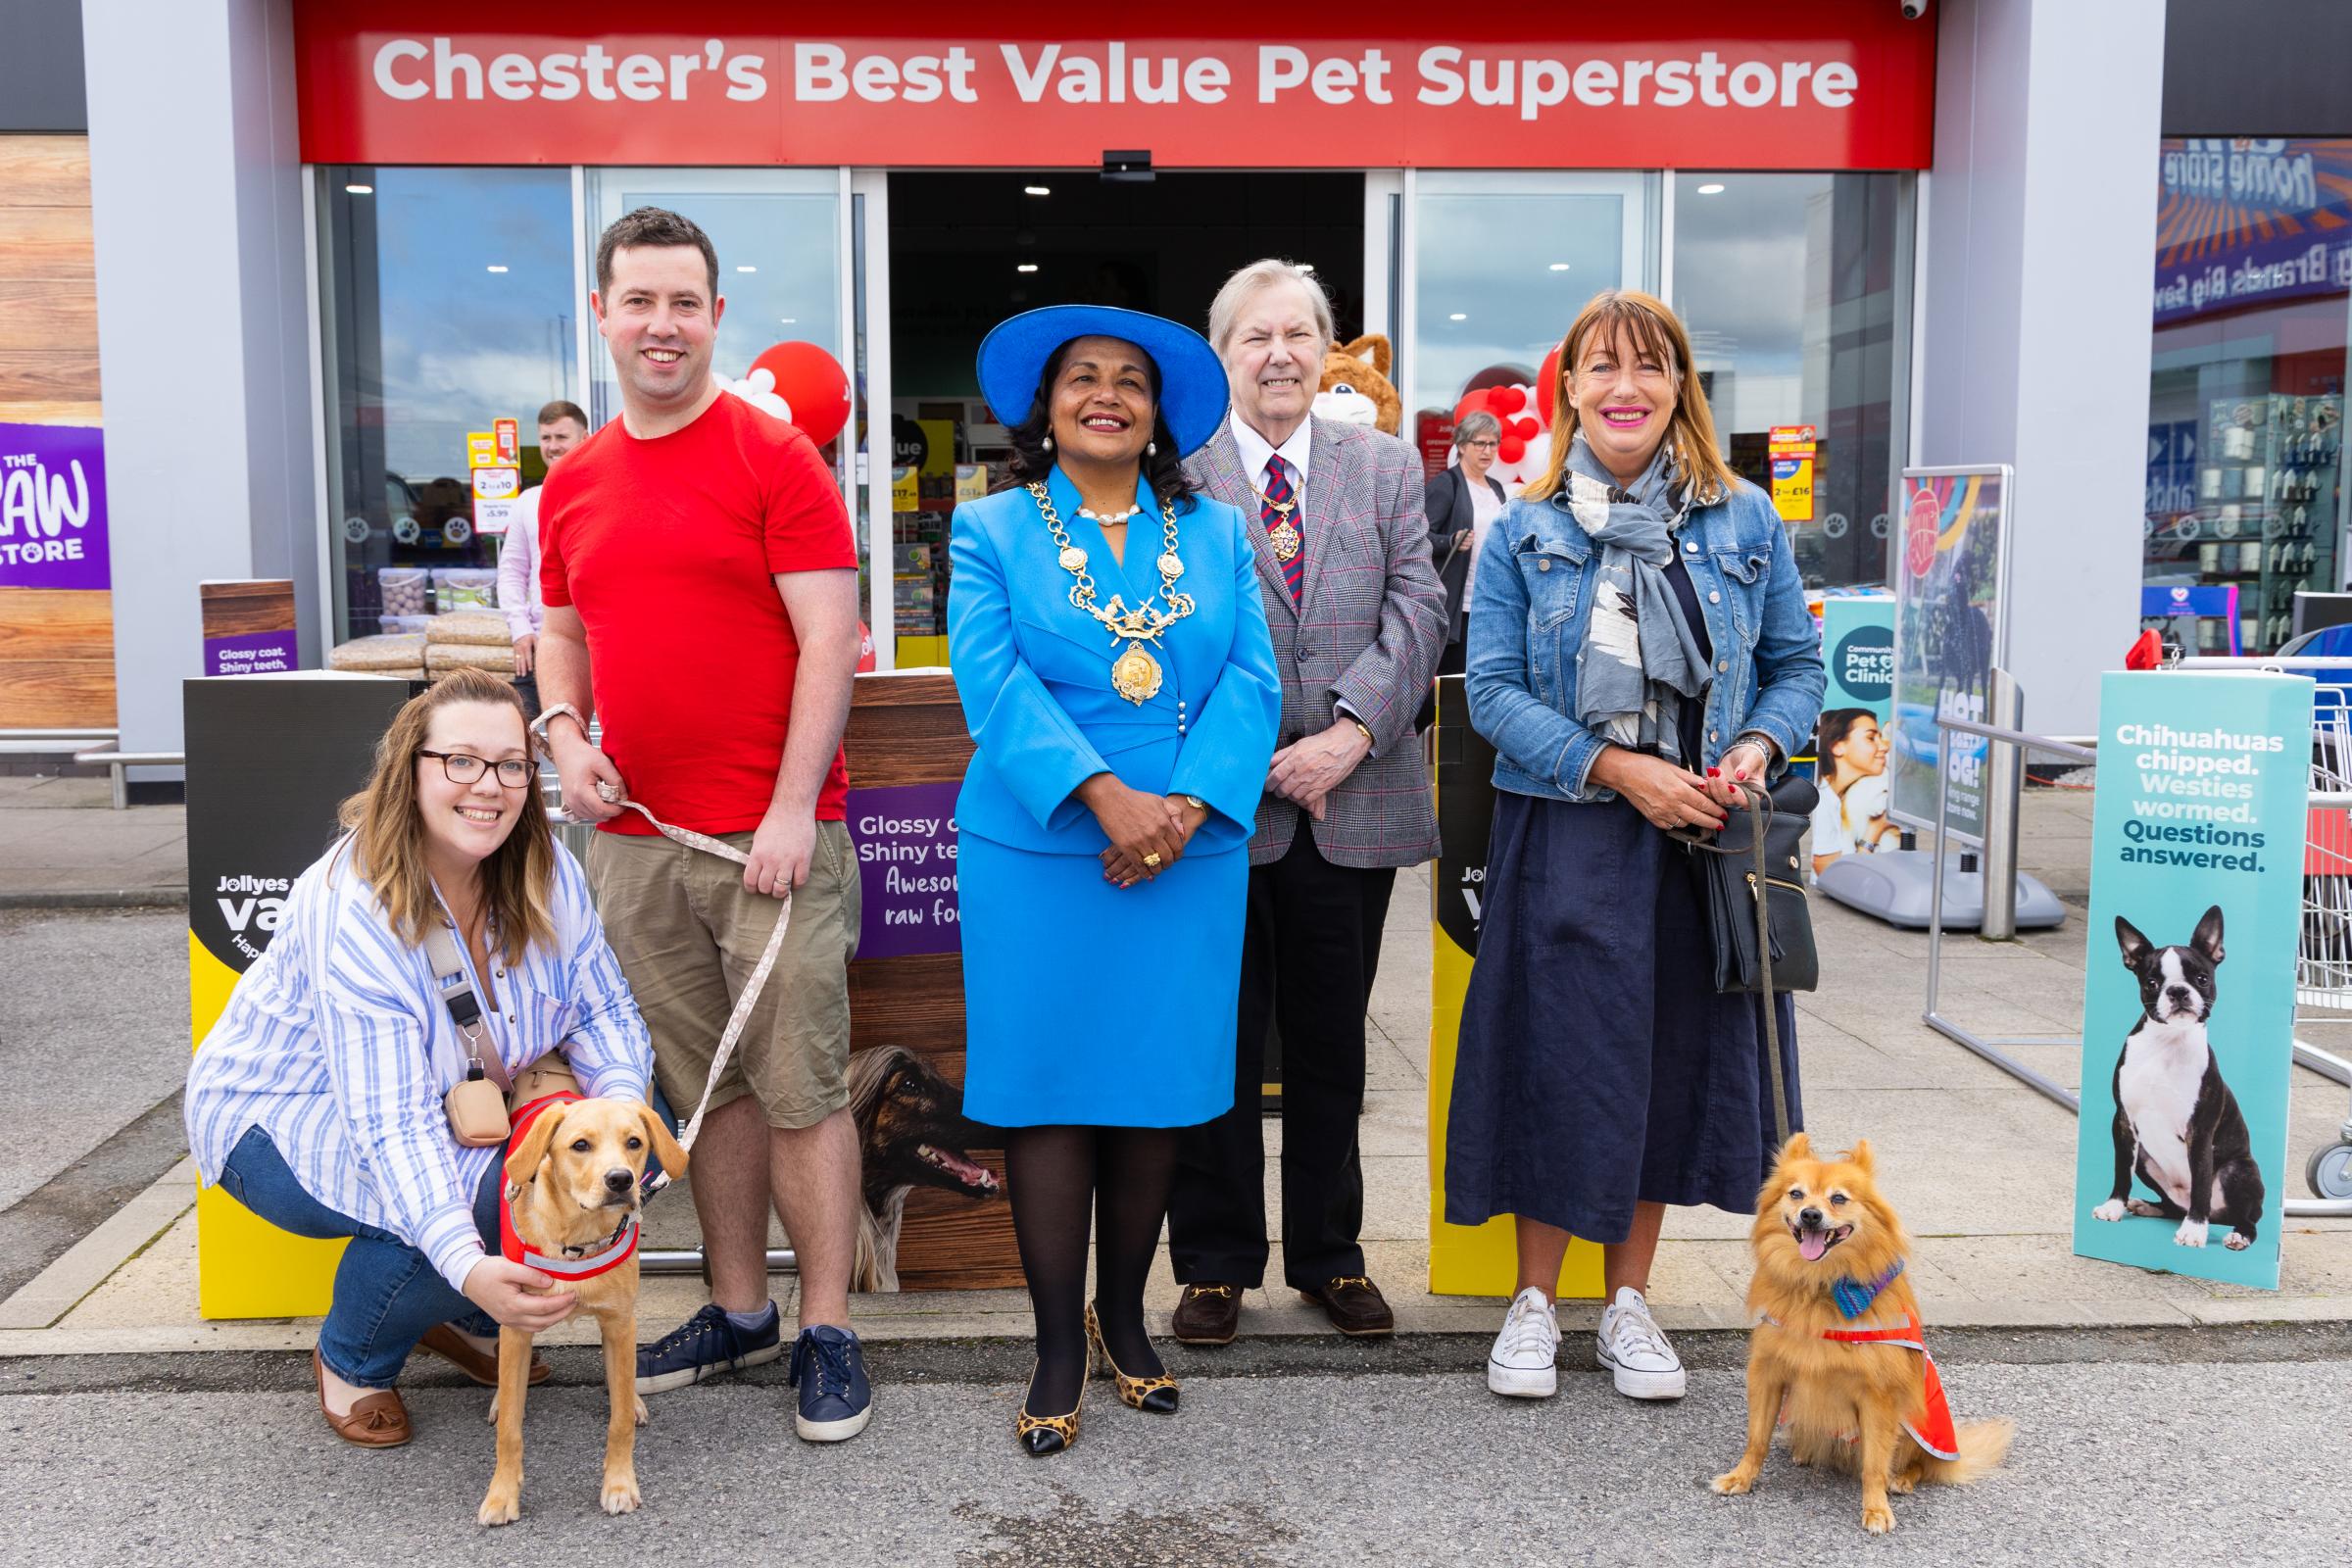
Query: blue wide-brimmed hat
(1192,380)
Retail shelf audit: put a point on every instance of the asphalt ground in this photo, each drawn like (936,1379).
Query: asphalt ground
(2134,1447)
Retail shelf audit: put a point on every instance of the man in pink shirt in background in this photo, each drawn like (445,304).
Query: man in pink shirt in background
(562,427)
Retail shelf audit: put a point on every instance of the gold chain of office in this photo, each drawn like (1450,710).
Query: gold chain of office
(1134,673)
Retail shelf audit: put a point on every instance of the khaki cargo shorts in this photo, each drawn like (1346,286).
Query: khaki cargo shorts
(689,935)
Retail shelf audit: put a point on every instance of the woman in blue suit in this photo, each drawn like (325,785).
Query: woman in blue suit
(1111,653)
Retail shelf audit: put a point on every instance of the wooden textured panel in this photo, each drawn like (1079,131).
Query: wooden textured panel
(78,694)
(948,1243)
(30,375)
(238,609)
(42,313)
(45,172)
(51,242)
(56,623)
(13,411)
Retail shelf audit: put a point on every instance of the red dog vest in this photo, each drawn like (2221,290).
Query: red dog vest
(1934,1431)
(573,1264)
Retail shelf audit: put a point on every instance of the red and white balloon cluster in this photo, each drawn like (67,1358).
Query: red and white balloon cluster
(801,384)
(1524,410)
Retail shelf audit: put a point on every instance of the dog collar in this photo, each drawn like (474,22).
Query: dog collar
(573,1263)
(1853,1297)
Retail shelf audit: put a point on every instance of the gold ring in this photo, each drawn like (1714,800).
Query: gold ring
(1153,858)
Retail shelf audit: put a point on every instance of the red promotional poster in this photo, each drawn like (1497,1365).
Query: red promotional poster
(1380,83)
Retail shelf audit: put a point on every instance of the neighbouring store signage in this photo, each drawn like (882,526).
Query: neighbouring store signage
(1711,82)
(1850,747)
(906,839)
(1948,635)
(2189,1009)
(53,506)
(2251,220)
(1793,450)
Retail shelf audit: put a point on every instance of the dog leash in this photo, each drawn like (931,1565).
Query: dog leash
(751,988)
(1759,806)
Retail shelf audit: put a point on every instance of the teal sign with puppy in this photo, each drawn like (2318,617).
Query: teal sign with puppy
(2188,1003)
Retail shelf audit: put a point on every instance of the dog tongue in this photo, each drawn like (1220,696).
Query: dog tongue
(1812,1245)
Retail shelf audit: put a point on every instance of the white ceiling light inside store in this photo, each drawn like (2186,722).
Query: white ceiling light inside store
(1026,266)
(1457,316)
(360,190)
(496,268)
(1559,267)
(1037,190)
(1306,266)
(1713,187)
(746,269)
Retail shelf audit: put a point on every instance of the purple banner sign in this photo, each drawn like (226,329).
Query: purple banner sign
(2249,222)
(53,506)
(906,842)
(257,653)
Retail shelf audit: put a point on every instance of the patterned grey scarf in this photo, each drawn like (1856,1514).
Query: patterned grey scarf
(1639,660)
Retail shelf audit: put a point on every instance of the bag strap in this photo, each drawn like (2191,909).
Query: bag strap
(1759,806)
(465,1007)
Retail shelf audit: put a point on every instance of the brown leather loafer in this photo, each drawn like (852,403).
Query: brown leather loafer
(445,1341)
(378,1420)
(1356,1307)
(1208,1313)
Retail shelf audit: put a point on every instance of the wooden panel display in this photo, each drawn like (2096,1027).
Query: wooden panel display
(906,1036)
(56,647)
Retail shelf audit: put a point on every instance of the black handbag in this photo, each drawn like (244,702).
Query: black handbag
(1758,921)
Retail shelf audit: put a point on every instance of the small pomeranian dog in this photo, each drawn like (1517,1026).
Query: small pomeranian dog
(1836,1355)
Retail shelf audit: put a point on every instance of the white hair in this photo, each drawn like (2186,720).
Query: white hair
(1246,284)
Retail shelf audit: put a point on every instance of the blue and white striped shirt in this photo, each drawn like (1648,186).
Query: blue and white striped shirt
(336,1043)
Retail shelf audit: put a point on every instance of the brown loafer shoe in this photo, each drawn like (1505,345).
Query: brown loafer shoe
(378,1420)
(445,1341)
(1207,1313)
(1356,1307)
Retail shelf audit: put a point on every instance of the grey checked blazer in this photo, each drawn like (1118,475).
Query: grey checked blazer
(1368,632)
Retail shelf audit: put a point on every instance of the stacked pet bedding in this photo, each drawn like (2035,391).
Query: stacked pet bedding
(400,654)
(469,639)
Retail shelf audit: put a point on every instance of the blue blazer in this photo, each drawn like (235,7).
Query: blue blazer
(1033,671)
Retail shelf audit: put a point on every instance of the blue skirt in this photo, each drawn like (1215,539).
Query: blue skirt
(1598,1064)
(1092,1006)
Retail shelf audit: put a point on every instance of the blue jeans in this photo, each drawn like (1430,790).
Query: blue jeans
(387,1293)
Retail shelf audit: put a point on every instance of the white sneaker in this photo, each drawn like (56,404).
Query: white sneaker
(1521,1362)
(1631,1346)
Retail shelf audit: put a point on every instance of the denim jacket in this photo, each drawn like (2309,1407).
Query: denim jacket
(1534,597)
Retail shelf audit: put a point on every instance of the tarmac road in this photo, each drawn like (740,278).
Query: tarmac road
(2134,1448)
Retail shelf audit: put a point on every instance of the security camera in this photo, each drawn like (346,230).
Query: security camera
(1913,10)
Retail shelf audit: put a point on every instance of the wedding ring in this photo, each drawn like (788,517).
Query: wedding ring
(1153,858)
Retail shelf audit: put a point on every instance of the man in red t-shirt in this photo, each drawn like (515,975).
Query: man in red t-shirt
(702,596)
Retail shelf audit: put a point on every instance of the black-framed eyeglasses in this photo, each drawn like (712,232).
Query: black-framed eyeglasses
(1482,445)
(463,768)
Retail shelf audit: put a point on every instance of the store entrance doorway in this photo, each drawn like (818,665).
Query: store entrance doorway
(968,250)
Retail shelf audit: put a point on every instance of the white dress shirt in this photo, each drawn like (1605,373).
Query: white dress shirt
(1485,506)
(519,569)
(337,1043)
(1255,449)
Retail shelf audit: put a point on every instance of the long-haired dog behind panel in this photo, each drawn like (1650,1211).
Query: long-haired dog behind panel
(1836,1354)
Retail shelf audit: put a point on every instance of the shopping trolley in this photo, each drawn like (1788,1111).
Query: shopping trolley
(2324,945)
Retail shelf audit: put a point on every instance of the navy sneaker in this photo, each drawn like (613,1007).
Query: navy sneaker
(704,1346)
(829,1369)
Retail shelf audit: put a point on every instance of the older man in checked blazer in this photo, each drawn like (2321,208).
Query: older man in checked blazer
(1358,616)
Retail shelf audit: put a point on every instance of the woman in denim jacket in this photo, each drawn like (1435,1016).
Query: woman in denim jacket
(1641,644)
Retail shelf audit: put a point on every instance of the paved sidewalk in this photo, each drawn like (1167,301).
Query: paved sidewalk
(1981,1167)
(63,845)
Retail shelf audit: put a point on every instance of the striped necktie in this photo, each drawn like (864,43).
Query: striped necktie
(1279,505)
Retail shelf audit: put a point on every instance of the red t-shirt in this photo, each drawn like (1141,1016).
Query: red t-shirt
(666,548)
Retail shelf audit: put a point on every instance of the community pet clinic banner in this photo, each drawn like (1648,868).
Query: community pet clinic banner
(1218,84)
(2188,1005)
(1850,747)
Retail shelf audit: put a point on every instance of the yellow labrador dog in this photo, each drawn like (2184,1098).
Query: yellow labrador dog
(571,1210)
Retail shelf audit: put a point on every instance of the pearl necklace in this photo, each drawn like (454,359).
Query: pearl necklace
(1113,520)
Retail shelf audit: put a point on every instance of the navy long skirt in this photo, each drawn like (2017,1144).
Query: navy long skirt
(1598,1066)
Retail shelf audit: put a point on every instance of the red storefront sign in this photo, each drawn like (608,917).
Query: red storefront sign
(1699,84)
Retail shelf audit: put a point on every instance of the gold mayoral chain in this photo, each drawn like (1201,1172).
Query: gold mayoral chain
(1284,535)
(1134,674)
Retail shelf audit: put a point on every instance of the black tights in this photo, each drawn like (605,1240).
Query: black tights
(1054,1176)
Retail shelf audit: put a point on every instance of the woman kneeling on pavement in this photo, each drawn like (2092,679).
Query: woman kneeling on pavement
(317,1101)
(1640,649)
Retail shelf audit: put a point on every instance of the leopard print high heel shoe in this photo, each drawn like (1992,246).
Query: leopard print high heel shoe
(1158,1394)
(1041,1435)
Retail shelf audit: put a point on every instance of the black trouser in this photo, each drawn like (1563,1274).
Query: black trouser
(1309,954)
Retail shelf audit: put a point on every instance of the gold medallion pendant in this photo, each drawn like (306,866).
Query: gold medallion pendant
(1135,674)
(1284,538)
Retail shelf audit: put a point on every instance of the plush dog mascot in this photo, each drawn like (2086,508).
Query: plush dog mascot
(1356,388)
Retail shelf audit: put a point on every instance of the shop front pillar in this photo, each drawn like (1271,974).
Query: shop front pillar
(2035,326)
(203,329)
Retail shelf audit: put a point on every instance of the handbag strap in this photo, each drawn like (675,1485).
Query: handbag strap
(465,1007)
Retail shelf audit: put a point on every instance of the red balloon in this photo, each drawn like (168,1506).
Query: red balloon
(865,649)
(1547,378)
(1474,403)
(1525,427)
(1512,449)
(813,383)
(1506,400)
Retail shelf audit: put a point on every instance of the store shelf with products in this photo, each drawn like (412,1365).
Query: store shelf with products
(2263,514)
(922,514)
